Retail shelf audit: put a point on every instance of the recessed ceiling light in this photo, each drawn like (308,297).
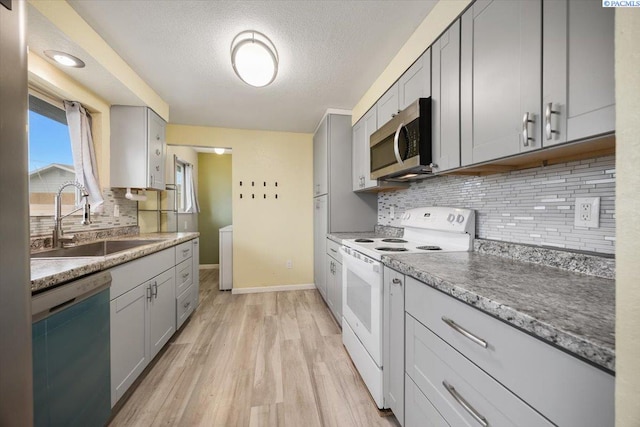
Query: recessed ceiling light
(254,58)
(218,150)
(64,58)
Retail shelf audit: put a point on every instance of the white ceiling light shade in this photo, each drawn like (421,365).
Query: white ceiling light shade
(218,150)
(254,58)
(64,58)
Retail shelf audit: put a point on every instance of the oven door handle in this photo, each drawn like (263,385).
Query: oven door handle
(396,144)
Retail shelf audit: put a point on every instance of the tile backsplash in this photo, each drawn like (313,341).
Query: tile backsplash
(43,225)
(532,206)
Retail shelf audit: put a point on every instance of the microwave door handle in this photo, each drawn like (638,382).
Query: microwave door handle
(396,146)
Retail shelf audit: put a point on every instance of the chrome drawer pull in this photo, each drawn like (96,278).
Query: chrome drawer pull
(185,275)
(526,119)
(464,332)
(547,120)
(467,407)
(333,250)
(397,281)
(185,251)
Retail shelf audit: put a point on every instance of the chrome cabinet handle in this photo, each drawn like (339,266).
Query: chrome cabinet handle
(157,137)
(187,304)
(467,334)
(158,168)
(334,251)
(154,292)
(158,152)
(195,242)
(548,111)
(185,251)
(526,119)
(467,407)
(397,281)
(396,146)
(185,275)
(149,293)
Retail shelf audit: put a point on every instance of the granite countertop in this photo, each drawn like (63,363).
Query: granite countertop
(48,272)
(573,311)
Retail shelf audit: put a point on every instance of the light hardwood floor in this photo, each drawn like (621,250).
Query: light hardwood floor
(269,359)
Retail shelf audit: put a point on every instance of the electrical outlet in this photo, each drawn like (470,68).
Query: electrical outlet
(116,211)
(289,264)
(587,212)
(392,211)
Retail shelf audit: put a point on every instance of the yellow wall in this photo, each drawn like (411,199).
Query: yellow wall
(215,183)
(50,80)
(440,17)
(627,223)
(266,232)
(62,15)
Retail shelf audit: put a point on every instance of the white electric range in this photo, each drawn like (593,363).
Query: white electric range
(426,230)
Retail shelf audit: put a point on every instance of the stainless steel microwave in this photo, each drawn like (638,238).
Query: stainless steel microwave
(401,149)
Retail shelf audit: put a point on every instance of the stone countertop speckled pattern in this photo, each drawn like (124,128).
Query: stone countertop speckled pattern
(575,312)
(48,272)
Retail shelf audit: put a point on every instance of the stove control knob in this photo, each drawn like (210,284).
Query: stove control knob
(451,218)
(460,219)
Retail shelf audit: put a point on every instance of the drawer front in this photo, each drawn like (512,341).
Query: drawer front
(184,251)
(184,276)
(539,373)
(451,385)
(419,412)
(127,276)
(185,306)
(333,249)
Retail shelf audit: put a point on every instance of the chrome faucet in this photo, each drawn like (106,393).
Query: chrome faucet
(58,235)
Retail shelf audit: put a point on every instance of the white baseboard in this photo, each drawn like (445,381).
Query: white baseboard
(208,266)
(278,288)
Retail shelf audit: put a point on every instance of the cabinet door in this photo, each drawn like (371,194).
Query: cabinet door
(415,82)
(337,289)
(129,335)
(320,158)
(156,149)
(420,411)
(357,155)
(445,98)
(320,214)
(196,272)
(393,339)
(387,105)
(330,279)
(578,97)
(162,311)
(500,79)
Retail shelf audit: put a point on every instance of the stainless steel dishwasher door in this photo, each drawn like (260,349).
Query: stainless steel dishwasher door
(71,353)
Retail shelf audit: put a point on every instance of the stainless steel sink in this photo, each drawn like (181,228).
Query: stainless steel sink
(94,249)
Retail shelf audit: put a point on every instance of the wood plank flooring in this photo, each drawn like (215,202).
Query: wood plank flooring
(269,359)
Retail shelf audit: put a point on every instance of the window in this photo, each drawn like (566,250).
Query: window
(180,187)
(50,159)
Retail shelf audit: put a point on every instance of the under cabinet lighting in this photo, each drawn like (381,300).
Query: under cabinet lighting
(65,59)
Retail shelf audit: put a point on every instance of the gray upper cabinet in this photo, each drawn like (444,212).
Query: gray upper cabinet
(320,150)
(415,82)
(138,148)
(578,70)
(500,80)
(361,164)
(445,98)
(388,105)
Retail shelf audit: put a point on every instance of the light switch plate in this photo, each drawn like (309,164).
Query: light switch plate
(587,212)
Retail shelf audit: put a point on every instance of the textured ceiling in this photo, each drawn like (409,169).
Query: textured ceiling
(330,54)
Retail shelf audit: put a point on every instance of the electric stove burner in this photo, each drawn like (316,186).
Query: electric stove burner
(390,249)
(430,248)
(394,240)
(364,241)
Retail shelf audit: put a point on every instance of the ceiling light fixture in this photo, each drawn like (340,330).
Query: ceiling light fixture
(218,150)
(64,58)
(254,58)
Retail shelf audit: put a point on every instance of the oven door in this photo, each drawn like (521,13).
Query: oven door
(362,300)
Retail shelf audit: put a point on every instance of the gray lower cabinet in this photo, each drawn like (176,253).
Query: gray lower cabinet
(445,98)
(196,272)
(334,280)
(320,218)
(388,105)
(503,380)
(578,94)
(420,411)
(162,310)
(393,338)
(500,82)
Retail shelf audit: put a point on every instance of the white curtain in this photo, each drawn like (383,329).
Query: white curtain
(84,157)
(191,198)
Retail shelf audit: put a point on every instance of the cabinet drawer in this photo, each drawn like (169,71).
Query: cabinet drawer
(537,372)
(333,249)
(183,251)
(127,276)
(184,276)
(185,306)
(457,382)
(419,412)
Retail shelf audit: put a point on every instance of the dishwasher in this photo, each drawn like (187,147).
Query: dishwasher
(71,353)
